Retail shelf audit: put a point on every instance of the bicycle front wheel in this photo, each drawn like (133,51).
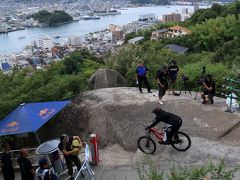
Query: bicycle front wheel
(183,143)
(146,145)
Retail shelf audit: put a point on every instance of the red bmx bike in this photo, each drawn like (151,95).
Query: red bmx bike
(147,145)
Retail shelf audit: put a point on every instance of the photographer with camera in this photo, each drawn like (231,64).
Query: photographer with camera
(208,89)
(162,83)
(172,76)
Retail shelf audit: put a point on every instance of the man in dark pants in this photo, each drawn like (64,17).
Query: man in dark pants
(6,163)
(70,147)
(172,75)
(162,83)
(141,76)
(169,118)
(27,171)
(208,89)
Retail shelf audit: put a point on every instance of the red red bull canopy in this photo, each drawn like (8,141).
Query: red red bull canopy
(30,117)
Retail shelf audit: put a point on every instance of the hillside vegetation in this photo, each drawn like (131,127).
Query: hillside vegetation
(214,43)
(51,18)
(62,80)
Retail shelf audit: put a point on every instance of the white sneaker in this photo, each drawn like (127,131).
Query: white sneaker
(164,100)
(160,102)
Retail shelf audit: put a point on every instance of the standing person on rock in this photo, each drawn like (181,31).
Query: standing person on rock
(70,146)
(162,83)
(141,76)
(6,163)
(172,76)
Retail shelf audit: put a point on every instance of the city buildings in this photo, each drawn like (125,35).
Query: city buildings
(171,18)
(44,43)
(135,40)
(147,17)
(158,34)
(175,31)
(171,32)
(74,40)
(117,32)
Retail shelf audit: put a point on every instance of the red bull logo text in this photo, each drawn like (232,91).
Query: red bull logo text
(10,127)
(45,113)
(12,124)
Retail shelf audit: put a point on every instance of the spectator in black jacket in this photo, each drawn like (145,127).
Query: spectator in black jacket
(27,170)
(6,163)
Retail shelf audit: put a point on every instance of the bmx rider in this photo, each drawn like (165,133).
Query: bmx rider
(169,118)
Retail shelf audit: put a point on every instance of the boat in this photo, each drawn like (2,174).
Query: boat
(22,37)
(86,17)
(107,12)
(57,37)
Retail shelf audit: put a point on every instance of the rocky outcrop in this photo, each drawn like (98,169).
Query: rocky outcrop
(118,116)
(106,78)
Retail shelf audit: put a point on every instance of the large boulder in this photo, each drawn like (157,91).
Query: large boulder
(118,116)
(105,78)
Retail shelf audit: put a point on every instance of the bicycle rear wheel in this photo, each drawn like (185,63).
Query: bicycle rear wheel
(183,143)
(146,145)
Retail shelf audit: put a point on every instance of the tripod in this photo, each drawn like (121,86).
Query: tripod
(186,88)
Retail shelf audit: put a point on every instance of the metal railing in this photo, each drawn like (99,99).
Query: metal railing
(34,158)
(86,171)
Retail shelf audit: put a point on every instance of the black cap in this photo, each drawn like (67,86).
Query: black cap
(173,61)
(164,67)
(156,110)
(43,161)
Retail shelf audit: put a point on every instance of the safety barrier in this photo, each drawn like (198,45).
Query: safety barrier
(232,90)
(86,169)
(94,138)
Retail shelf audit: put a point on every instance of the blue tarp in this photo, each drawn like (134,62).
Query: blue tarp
(30,117)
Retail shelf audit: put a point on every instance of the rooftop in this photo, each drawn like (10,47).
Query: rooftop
(177,49)
(161,30)
(180,28)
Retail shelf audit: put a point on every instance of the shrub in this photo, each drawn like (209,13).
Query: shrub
(214,171)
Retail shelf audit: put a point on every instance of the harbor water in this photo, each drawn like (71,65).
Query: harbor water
(12,43)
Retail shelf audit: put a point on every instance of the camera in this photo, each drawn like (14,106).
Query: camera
(201,81)
(185,77)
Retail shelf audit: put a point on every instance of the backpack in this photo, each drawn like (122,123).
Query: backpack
(72,145)
(41,173)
